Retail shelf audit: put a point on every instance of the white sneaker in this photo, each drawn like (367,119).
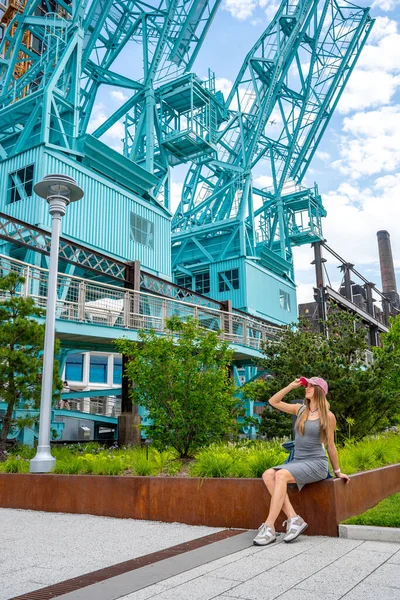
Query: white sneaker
(265,535)
(294,527)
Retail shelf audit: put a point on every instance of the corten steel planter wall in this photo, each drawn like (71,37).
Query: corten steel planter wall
(239,503)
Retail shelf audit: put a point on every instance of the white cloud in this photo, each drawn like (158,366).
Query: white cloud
(385,5)
(224,85)
(118,95)
(324,156)
(175,194)
(383,27)
(305,292)
(263,181)
(240,9)
(372,144)
(114,135)
(383,55)
(355,214)
(376,77)
(271,8)
(243,9)
(368,89)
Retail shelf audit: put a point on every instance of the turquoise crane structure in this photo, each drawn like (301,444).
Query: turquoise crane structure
(226,229)
(54,57)
(231,239)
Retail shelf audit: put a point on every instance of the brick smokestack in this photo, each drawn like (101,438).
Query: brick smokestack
(389,287)
(386,260)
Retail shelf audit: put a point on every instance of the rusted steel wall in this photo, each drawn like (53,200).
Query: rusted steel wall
(367,489)
(239,503)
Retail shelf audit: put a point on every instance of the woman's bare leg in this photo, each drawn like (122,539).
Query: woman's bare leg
(282,478)
(269,480)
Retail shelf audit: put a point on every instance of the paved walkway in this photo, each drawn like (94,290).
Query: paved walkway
(42,549)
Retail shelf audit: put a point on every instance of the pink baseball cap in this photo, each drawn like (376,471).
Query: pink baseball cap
(315,381)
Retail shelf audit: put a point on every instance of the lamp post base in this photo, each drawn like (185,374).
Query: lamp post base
(43,462)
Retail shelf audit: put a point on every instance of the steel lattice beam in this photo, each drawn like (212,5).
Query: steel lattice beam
(23,234)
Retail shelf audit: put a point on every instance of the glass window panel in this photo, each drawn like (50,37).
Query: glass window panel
(117,371)
(284,299)
(20,184)
(203,283)
(185,281)
(74,367)
(142,230)
(98,369)
(228,280)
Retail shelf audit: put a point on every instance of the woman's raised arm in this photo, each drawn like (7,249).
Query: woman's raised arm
(276,399)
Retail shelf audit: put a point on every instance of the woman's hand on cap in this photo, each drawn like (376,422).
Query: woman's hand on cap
(295,384)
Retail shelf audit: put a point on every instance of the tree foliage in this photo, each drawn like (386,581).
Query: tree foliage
(274,423)
(387,360)
(21,342)
(182,379)
(356,391)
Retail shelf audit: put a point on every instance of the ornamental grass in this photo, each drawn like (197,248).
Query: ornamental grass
(240,459)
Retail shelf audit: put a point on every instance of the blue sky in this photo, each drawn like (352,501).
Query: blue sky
(357,163)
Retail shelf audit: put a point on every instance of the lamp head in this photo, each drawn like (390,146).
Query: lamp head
(58,186)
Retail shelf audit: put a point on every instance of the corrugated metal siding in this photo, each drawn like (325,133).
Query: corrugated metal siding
(101,218)
(31,209)
(262,291)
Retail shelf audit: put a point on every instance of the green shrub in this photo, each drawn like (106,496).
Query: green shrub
(213,463)
(14,465)
(105,464)
(369,453)
(67,465)
(174,467)
(162,460)
(23,451)
(261,459)
(141,465)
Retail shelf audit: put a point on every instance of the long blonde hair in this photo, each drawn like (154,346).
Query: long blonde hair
(323,408)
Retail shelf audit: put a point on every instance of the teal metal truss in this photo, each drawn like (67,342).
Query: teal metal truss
(54,57)
(231,239)
(278,110)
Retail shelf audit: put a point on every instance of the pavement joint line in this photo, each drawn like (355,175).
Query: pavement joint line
(269,569)
(305,578)
(336,559)
(373,571)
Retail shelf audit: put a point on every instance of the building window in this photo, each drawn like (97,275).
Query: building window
(74,367)
(203,283)
(228,280)
(20,184)
(98,369)
(142,231)
(117,371)
(185,281)
(284,298)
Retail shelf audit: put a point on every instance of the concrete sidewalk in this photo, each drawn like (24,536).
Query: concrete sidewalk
(310,568)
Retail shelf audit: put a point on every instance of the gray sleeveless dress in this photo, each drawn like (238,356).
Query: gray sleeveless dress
(310,462)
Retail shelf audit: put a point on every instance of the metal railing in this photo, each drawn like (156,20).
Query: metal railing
(84,301)
(106,406)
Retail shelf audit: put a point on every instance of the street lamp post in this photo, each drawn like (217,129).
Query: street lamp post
(59,191)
